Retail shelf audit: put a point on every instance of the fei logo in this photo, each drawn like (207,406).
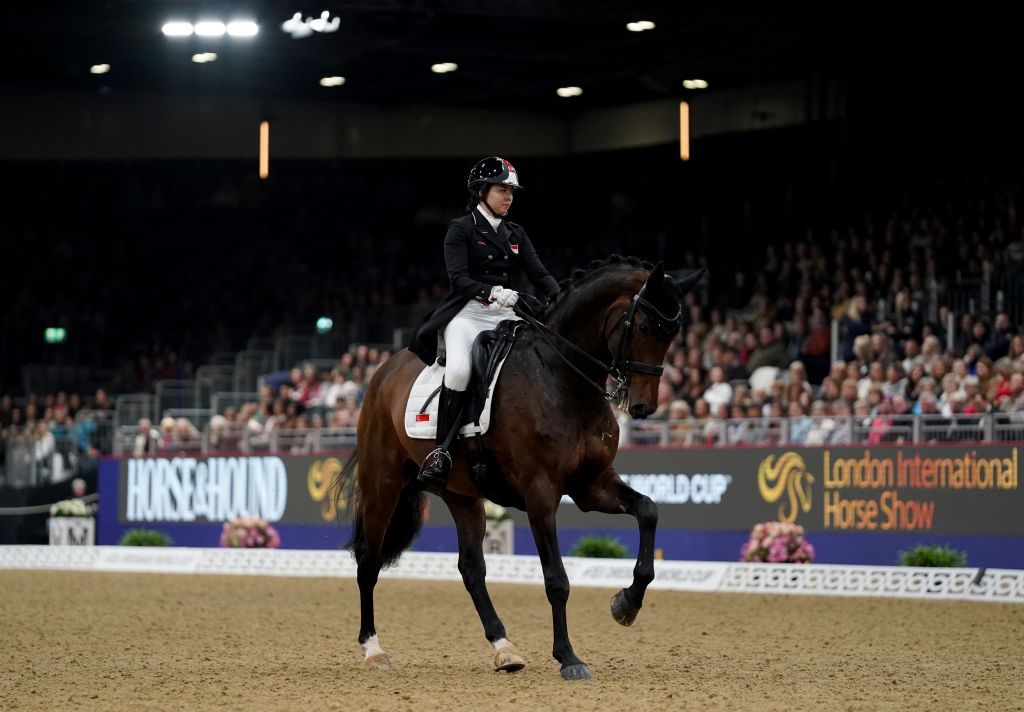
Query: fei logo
(788,474)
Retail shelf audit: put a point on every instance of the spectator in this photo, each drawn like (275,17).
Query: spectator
(770,351)
(147,439)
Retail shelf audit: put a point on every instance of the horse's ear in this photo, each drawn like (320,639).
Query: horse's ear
(687,283)
(656,278)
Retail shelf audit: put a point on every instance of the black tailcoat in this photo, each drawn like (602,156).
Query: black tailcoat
(477,259)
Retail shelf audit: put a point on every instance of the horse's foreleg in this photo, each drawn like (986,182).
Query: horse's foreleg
(610,494)
(470,524)
(556,585)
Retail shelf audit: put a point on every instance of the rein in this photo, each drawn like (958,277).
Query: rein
(621,365)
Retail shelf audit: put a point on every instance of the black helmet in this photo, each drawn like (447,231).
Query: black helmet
(493,170)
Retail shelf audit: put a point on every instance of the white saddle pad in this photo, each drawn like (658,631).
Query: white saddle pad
(424,425)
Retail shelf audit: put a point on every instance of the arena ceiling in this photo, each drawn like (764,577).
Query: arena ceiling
(511,54)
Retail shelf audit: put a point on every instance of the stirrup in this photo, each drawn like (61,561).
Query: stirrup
(434,473)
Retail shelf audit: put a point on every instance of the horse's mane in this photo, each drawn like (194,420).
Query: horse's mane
(592,271)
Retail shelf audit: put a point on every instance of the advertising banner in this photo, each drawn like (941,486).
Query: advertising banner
(961,489)
(285,489)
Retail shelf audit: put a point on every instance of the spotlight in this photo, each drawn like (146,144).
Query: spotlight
(639,25)
(332,81)
(242,28)
(177,29)
(695,84)
(99,69)
(210,28)
(204,57)
(443,67)
(566,92)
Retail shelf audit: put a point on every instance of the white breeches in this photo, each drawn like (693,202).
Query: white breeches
(460,334)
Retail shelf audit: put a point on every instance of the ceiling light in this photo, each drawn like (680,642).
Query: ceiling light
(210,28)
(204,57)
(639,25)
(443,67)
(242,28)
(695,84)
(566,92)
(99,69)
(332,81)
(177,29)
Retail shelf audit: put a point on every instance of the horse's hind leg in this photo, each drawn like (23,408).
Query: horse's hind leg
(610,494)
(377,506)
(470,524)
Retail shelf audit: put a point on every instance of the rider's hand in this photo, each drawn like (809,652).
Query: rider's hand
(508,298)
(496,293)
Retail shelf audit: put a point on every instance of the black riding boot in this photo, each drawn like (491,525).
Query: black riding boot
(437,467)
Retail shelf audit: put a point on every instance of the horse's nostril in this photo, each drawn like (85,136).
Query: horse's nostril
(639,411)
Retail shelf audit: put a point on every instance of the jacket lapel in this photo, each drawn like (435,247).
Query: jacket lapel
(483,228)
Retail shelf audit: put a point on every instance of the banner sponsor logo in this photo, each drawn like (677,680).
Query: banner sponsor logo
(681,489)
(320,482)
(786,475)
(185,489)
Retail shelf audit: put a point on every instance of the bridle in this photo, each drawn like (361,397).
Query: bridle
(663,325)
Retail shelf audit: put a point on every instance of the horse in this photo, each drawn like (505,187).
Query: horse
(553,432)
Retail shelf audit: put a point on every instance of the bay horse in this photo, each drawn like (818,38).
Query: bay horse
(553,432)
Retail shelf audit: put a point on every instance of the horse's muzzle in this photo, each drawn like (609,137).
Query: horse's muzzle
(640,410)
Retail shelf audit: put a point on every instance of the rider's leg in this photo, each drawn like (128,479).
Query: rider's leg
(458,339)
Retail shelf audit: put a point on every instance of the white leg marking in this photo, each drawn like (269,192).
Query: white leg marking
(501,643)
(372,647)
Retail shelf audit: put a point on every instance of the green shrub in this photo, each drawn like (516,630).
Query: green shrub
(933,556)
(599,547)
(145,537)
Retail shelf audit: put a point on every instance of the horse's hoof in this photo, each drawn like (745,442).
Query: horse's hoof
(508,659)
(579,671)
(623,611)
(379,662)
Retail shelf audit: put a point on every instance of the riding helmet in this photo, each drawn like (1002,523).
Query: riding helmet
(493,170)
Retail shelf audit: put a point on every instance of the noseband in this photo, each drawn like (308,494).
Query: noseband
(664,326)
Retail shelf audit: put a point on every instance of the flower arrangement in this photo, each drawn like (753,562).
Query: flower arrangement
(495,512)
(247,532)
(70,508)
(777,542)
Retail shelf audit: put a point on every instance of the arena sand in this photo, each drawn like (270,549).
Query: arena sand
(149,641)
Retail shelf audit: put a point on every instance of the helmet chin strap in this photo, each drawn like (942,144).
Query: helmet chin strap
(500,216)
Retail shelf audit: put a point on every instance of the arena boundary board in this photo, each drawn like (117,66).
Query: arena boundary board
(998,585)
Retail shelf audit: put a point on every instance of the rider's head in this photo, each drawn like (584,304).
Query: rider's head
(492,182)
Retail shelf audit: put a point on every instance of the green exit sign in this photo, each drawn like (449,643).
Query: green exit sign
(55,335)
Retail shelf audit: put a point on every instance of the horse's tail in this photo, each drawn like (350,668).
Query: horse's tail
(402,529)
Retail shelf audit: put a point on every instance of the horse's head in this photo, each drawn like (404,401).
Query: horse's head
(647,322)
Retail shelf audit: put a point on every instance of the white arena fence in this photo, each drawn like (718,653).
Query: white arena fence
(992,585)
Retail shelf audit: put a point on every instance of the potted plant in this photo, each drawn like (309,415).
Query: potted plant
(598,547)
(499,535)
(71,523)
(245,532)
(777,543)
(145,537)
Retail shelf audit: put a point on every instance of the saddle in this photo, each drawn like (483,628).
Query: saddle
(490,349)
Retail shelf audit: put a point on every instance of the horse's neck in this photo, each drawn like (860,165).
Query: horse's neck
(581,315)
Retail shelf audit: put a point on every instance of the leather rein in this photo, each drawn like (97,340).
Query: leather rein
(622,365)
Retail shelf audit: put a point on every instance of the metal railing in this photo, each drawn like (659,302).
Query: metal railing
(826,430)
(236,437)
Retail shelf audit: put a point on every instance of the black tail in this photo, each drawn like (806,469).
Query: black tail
(402,529)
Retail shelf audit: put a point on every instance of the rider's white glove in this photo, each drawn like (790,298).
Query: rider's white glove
(508,298)
(504,297)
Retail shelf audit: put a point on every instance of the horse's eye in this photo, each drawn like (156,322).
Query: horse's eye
(644,328)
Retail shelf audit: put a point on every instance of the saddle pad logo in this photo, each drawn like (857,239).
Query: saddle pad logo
(515,248)
(421,417)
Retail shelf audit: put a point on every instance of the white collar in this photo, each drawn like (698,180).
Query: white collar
(490,218)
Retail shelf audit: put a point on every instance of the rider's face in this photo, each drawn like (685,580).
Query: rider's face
(499,199)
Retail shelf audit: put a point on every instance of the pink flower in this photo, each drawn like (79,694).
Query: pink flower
(778,553)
